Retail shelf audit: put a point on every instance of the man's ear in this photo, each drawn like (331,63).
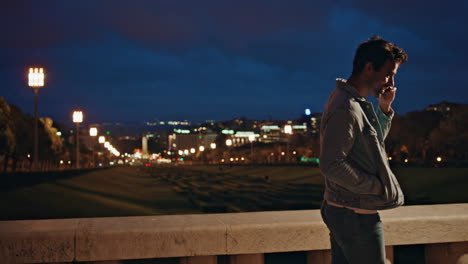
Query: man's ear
(369,68)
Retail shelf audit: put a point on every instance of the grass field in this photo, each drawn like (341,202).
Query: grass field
(130,191)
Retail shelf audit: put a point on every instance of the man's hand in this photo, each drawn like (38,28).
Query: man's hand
(386,98)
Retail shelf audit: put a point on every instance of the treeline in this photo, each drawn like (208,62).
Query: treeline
(17,135)
(422,136)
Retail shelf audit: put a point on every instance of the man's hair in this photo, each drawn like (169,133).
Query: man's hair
(377,51)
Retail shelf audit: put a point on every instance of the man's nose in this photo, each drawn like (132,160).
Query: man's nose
(390,81)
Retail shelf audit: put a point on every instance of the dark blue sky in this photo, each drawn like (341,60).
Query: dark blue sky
(133,61)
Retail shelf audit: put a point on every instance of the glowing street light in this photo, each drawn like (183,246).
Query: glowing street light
(35,81)
(229,144)
(192,150)
(213,145)
(288,131)
(93,131)
(201,148)
(106,144)
(36,77)
(77,119)
(439,159)
(102,139)
(251,139)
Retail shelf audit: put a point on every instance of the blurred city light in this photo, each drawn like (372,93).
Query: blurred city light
(288,129)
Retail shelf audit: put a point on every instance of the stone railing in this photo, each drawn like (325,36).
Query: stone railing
(245,237)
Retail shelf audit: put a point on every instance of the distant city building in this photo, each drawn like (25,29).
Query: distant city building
(168,123)
(181,140)
(270,132)
(243,137)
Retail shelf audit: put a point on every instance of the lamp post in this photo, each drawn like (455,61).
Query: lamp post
(251,139)
(93,133)
(201,149)
(77,119)
(213,147)
(229,144)
(101,140)
(288,131)
(35,81)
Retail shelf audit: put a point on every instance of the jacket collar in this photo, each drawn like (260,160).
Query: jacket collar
(342,84)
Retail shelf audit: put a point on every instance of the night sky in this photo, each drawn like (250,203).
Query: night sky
(135,61)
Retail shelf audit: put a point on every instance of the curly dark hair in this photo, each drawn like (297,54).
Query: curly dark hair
(377,51)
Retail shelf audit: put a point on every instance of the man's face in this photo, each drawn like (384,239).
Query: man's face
(378,81)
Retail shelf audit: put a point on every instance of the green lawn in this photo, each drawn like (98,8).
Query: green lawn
(130,191)
(125,191)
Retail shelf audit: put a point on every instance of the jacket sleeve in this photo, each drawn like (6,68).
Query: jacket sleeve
(337,140)
(385,120)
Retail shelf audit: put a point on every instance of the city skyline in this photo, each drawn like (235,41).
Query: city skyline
(174,61)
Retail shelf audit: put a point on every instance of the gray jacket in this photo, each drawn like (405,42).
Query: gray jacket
(353,160)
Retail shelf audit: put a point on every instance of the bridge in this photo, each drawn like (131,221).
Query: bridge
(243,237)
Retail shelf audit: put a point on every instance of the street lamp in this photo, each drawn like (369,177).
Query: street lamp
(201,149)
(288,131)
(77,119)
(35,81)
(101,140)
(228,144)
(251,139)
(93,133)
(213,146)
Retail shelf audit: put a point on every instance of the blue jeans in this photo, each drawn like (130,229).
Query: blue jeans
(354,238)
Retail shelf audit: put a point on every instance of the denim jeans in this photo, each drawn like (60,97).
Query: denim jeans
(354,238)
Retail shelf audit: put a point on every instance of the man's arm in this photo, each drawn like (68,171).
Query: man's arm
(385,119)
(337,141)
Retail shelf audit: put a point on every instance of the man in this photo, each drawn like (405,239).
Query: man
(353,160)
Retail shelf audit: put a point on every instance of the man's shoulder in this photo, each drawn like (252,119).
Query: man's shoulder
(341,100)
